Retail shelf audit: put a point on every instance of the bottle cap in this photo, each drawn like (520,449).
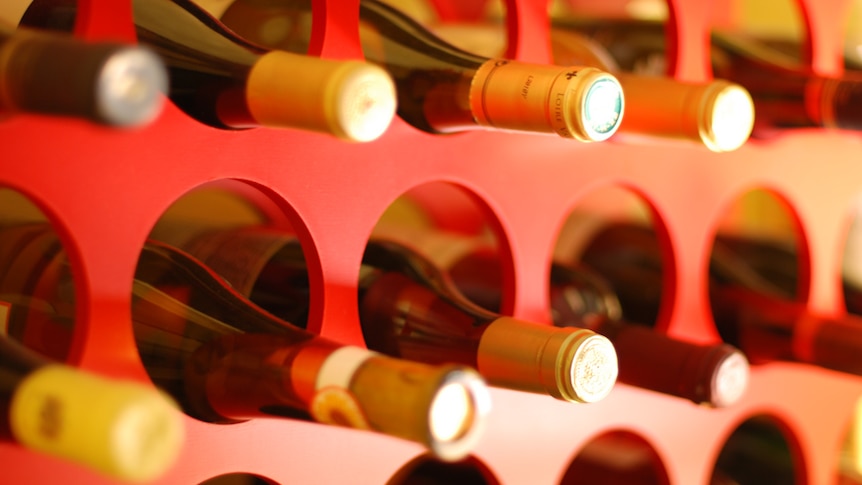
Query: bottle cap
(121,428)
(730,379)
(726,116)
(571,364)
(583,103)
(588,366)
(353,100)
(601,105)
(442,407)
(131,87)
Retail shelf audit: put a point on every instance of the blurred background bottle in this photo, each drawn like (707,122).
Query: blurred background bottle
(122,429)
(225,81)
(56,74)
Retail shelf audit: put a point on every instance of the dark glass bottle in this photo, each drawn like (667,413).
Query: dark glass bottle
(225,81)
(76,415)
(443,89)
(226,360)
(749,311)
(409,308)
(53,73)
(710,374)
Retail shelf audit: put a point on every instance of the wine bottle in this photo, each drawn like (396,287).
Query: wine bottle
(226,360)
(714,375)
(717,114)
(749,311)
(408,308)
(122,429)
(786,93)
(225,81)
(443,89)
(56,74)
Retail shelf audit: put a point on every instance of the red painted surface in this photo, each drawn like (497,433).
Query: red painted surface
(104,190)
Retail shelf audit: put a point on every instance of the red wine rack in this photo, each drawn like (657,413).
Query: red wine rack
(104,190)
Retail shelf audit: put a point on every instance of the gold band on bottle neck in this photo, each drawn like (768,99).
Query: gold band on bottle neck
(567,363)
(583,103)
(353,100)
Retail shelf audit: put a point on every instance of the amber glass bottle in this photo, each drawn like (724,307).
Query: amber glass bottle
(226,360)
(409,308)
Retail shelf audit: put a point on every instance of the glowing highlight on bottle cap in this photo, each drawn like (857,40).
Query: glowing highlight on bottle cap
(123,429)
(458,413)
(603,107)
(131,87)
(353,100)
(730,380)
(594,369)
(729,117)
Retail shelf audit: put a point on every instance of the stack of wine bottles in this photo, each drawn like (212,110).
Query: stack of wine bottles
(138,349)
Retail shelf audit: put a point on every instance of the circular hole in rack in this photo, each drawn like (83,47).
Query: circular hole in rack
(616,457)
(426,470)
(615,241)
(762,449)
(618,35)
(758,257)
(454,229)
(238,479)
(37,292)
(244,234)
(774,26)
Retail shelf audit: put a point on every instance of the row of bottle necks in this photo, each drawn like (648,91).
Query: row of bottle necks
(219,315)
(225,67)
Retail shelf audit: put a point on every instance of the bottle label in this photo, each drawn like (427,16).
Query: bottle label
(573,102)
(518,96)
(333,402)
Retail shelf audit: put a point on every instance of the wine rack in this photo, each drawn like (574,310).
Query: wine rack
(104,190)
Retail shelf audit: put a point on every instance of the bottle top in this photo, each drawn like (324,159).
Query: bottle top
(583,103)
(569,364)
(727,116)
(730,379)
(354,100)
(123,429)
(131,87)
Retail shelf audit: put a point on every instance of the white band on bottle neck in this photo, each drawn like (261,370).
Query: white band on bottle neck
(338,369)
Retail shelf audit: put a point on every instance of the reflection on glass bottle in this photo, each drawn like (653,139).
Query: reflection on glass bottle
(226,360)
(410,309)
(443,89)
